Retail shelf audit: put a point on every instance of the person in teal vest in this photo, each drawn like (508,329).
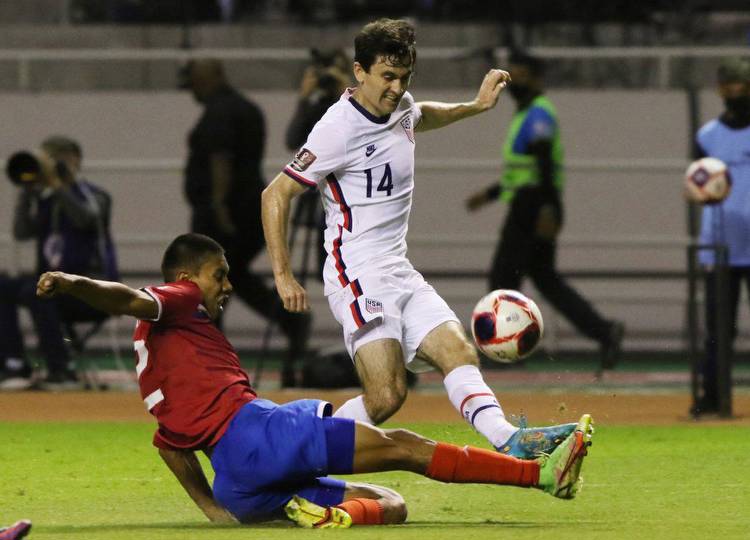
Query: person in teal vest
(532,183)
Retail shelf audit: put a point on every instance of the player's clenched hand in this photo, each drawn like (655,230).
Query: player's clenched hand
(292,294)
(494,82)
(476,201)
(547,224)
(52,283)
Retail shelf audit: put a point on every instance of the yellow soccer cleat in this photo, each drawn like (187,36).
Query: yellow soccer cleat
(311,516)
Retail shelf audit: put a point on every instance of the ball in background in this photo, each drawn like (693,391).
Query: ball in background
(707,181)
(506,325)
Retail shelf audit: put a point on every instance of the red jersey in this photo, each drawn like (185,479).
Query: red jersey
(190,376)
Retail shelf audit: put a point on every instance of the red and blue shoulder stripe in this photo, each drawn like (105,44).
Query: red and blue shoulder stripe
(298,178)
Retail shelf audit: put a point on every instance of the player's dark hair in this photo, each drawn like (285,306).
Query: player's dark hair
(188,252)
(392,39)
(532,63)
(733,70)
(61,144)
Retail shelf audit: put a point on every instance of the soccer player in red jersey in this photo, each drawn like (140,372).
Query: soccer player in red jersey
(269,458)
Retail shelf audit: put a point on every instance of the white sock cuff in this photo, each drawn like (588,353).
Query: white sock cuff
(462,374)
(354,409)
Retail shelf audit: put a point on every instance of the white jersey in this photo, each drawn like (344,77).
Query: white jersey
(363,166)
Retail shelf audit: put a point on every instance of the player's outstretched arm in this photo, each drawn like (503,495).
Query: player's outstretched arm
(185,466)
(108,296)
(436,115)
(276,202)
(480,198)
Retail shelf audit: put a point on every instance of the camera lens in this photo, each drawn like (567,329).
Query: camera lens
(23,167)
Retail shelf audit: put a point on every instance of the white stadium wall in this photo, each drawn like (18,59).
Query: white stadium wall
(624,209)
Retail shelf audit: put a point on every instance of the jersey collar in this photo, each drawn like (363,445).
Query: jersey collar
(367,114)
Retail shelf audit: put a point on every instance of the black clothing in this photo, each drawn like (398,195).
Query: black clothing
(309,111)
(310,214)
(234,127)
(526,250)
(521,253)
(709,366)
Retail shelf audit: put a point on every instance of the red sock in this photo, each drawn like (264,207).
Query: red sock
(363,511)
(474,465)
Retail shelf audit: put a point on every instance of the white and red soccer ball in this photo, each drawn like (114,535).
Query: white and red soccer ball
(506,325)
(707,181)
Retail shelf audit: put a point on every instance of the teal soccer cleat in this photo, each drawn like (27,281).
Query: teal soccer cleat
(529,443)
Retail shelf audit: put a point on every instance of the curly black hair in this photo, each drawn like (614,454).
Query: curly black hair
(392,39)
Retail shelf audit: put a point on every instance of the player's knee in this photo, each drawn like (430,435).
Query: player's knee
(462,353)
(394,508)
(384,403)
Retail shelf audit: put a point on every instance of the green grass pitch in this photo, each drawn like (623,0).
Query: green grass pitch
(105,481)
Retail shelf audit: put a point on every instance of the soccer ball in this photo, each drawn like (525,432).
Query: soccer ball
(707,181)
(506,325)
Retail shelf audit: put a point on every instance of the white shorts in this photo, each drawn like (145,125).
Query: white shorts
(390,304)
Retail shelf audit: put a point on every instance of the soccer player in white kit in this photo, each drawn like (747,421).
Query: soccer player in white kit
(360,156)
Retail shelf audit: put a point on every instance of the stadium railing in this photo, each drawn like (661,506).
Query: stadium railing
(666,59)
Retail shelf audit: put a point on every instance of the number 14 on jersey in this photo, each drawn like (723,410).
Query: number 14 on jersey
(385,184)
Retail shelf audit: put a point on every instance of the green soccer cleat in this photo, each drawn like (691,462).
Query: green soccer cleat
(311,516)
(560,471)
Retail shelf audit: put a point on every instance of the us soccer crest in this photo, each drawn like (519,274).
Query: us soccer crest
(406,124)
(373,306)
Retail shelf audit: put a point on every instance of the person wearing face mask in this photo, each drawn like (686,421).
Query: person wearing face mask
(532,183)
(726,138)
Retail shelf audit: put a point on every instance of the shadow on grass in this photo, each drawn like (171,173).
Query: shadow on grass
(280,524)
(498,523)
(181,526)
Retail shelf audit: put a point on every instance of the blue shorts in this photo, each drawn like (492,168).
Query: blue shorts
(271,452)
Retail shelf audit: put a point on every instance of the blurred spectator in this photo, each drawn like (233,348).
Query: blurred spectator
(223,184)
(532,182)
(69,218)
(726,138)
(323,82)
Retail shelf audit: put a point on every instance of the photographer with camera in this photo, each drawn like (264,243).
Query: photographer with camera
(323,82)
(69,218)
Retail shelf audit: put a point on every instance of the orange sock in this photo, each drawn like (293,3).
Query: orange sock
(475,465)
(363,511)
